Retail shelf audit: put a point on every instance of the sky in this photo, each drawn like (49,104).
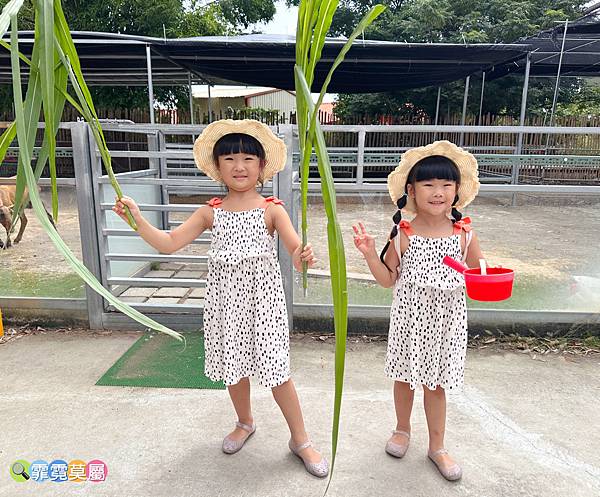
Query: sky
(284,21)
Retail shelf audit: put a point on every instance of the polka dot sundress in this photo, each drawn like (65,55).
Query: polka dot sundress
(427,340)
(245,318)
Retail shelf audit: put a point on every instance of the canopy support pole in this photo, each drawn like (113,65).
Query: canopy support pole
(557,84)
(524,103)
(481,98)
(464,109)
(519,149)
(437,110)
(191,98)
(150,86)
(209,105)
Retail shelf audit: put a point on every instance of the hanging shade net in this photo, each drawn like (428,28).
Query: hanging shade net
(268,60)
(581,55)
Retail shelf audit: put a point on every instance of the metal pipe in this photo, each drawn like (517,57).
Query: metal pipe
(562,50)
(481,98)
(191,98)
(437,110)
(209,106)
(150,87)
(464,108)
(524,103)
(437,105)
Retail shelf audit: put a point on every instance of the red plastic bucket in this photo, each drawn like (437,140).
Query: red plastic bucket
(496,285)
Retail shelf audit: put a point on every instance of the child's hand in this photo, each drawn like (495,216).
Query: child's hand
(119,208)
(299,256)
(364,242)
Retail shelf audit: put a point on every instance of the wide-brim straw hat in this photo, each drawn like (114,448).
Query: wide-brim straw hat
(465,162)
(275,149)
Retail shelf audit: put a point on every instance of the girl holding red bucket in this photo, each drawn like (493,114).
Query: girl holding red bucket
(428,319)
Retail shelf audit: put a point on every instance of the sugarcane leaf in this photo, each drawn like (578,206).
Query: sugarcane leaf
(21,56)
(324,19)
(369,17)
(61,94)
(6,139)
(9,10)
(337,261)
(68,55)
(26,149)
(44,28)
(32,109)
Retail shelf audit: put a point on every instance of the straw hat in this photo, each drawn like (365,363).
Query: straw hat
(465,162)
(275,149)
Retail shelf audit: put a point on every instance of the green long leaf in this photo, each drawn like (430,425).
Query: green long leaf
(314,21)
(323,23)
(21,56)
(45,27)
(60,90)
(61,95)
(69,57)
(369,17)
(58,87)
(26,149)
(337,264)
(10,9)
(32,109)
(6,139)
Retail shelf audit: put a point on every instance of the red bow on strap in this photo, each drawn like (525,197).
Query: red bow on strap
(215,202)
(463,224)
(274,200)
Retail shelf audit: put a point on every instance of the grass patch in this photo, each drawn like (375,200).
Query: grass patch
(33,284)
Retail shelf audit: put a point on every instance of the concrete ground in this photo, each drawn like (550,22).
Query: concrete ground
(521,427)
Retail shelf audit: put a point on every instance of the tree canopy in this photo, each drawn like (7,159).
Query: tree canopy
(459,21)
(170,18)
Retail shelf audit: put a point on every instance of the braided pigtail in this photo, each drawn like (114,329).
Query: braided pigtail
(401,203)
(456,216)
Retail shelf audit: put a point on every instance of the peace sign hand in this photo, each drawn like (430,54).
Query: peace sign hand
(364,242)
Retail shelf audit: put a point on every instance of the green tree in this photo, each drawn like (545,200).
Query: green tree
(170,18)
(464,21)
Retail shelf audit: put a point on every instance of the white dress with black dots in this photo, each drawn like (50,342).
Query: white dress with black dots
(245,318)
(427,340)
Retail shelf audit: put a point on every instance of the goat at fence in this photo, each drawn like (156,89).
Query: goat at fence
(7,203)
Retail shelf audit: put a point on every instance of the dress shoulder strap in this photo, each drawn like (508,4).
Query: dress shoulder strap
(406,227)
(462,225)
(272,200)
(214,202)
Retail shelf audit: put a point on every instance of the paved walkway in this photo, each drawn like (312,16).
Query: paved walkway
(521,427)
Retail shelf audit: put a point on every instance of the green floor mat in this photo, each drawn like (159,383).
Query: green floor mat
(158,360)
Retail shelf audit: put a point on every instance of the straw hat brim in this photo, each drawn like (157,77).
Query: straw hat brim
(465,162)
(275,149)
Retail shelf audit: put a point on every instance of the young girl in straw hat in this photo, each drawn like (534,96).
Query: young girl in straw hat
(245,318)
(428,319)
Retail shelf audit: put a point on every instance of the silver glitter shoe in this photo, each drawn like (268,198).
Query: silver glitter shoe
(319,469)
(231,446)
(397,450)
(451,473)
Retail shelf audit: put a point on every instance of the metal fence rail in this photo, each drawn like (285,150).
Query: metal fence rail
(170,170)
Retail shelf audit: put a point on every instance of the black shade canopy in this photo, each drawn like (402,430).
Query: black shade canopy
(268,60)
(581,56)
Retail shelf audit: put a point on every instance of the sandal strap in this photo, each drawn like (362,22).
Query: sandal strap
(438,452)
(400,432)
(303,446)
(243,426)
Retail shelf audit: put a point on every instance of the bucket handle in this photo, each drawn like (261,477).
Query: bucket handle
(454,264)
